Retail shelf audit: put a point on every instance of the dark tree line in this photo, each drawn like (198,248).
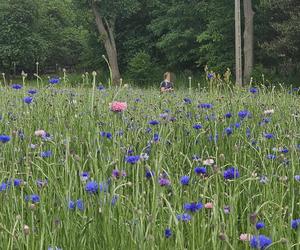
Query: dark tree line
(143,38)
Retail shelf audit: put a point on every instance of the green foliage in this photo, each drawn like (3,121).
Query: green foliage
(216,42)
(142,69)
(176,26)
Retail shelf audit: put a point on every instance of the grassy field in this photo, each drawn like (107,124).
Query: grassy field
(157,176)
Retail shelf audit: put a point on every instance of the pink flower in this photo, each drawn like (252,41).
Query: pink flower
(118,106)
(209,205)
(40,133)
(245,237)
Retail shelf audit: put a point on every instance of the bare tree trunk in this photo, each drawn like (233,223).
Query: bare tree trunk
(248,40)
(238,44)
(106,31)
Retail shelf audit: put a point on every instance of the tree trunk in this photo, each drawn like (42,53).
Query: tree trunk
(106,29)
(248,40)
(238,44)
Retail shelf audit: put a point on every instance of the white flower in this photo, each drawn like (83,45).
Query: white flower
(208,162)
(269,111)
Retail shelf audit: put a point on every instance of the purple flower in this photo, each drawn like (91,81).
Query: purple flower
(228,131)
(268,135)
(228,115)
(205,106)
(32,91)
(197,126)
(200,170)
(34,198)
(164,181)
(231,173)
(46,154)
(16,86)
(187,100)
(297,178)
(28,99)
(168,233)
(184,180)
(295,223)
(253,90)
(54,80)
(132,159)
(259,225)
(92,187)
(184,217)
(153,122)
(243,114)
(260,242)
(192,207)
(4,138)
(84,176)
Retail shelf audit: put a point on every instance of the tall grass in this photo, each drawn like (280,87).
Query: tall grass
(144,209)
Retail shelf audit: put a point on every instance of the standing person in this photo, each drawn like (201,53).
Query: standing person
(166,85)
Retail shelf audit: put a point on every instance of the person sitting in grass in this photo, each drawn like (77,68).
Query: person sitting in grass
(166,85)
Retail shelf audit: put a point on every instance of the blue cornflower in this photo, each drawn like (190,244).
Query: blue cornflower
(84,176)
(297,178)
(237,125)
(184,180)
(196,158)
(243,114)
(259,225)
(108,135)
(17,182)
(101,87)
(205,105)
(114,200)
(184,217)
(228,115)
(137,100)
(91,187)
(153,122)
(253,90)
(228,131)
(80,204)
(192,207)
(16,86)
(200,170)
(42,183)
(4,138)
(156,137)
(248,132)
(132,159)
(3,186)
(268,135)
(231,173)
(187,100)
(149,174)
(260,242)
(197,126)
(284,150)
(103,186)
(168,233)
(295,223)
(213,138)
(34,198)
(32,91)
(54,80)
(271,157)
(263,179)
(210,75)
(28,99)
(46,154)
(72,205)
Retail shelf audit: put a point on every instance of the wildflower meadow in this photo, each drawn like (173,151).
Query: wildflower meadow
(130,168)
